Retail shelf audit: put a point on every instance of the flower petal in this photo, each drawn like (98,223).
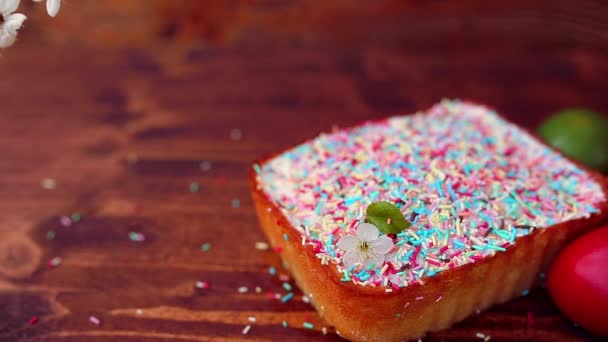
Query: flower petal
(13,22)
(367,232)
(376,260)
(382,245)
(52,7)
(348,243)
(7,38)
(8,6)
(351,258)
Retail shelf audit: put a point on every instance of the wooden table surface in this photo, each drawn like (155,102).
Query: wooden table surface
(123,132)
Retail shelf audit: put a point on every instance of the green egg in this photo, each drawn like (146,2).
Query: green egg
(580,134)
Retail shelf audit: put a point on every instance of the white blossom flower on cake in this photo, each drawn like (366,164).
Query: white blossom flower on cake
(366,248)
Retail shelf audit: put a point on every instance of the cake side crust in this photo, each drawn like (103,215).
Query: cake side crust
(371,314)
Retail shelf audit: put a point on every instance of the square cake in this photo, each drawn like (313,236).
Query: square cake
(489,205)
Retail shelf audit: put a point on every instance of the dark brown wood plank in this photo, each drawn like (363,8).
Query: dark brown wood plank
(123,133)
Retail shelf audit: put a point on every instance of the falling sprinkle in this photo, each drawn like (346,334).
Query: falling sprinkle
(206,247)
(50,235)
(205,165)
(236,134)
(262,246)
(136,237)
(236,203)
(48,183)
(246,329)
(94,320)
(194,187)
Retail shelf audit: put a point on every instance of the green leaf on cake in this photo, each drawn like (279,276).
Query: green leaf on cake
(387,217)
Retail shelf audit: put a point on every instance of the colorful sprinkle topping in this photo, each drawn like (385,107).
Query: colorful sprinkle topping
(469,182)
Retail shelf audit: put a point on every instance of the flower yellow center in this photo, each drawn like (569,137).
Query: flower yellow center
(364,247)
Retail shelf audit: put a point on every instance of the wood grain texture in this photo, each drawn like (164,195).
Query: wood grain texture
(123,133)
(345,22)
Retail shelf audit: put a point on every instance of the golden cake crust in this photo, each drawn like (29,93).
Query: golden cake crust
(365,313)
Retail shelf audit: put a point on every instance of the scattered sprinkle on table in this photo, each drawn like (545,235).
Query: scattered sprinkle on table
(50,235)
(284,277)
(48,183)
(76,216)
(272,270)
(65,221)
(284,323)
(56,261)
(287,286)
(194,187)
(530,318)
(94,320)
(258,289)
(206,247)
(308,325)
(201,285)
(235,203)
(242,289)
(287,297)
(305,299)
(525,292)
(136,237)
(236,134)
(246,329)
(285,237)
(33,320)
(262,246)
(481,336)
(205,165)
(139,312)
(251,319)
